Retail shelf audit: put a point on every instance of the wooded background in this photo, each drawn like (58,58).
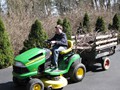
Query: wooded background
(19,15)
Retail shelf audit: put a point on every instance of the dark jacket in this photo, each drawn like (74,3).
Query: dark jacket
(61,39)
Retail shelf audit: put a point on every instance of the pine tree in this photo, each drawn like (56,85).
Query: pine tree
(36,37)
(110,27)
(6,51)
(100,25)
(59,22)
(116,22)
(67,28)
(86,22)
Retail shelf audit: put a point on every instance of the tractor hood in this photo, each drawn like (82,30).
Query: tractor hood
(28,55)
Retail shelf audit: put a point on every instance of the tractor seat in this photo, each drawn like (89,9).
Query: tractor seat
(70,45)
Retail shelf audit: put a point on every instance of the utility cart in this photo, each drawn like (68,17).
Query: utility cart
(95,48)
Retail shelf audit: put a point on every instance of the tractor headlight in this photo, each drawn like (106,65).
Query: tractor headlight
(19,64)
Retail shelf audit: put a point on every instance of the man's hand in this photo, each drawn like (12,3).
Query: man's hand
(53,42)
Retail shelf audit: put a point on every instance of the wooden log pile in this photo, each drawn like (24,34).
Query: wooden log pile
(97,41)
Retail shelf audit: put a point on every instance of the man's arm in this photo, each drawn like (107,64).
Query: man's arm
(53,38)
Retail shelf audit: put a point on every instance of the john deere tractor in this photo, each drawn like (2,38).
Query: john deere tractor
(33,69)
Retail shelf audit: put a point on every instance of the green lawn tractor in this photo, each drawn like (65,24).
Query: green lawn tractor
(33,69)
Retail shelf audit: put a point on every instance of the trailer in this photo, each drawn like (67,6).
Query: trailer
(95,48)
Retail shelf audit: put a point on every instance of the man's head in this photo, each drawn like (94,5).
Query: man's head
(59,29)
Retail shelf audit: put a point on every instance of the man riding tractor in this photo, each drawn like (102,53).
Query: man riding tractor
(33,67)
(60,43)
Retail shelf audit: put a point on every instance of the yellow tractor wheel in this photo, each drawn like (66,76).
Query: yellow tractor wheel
(35,84)
(77,72)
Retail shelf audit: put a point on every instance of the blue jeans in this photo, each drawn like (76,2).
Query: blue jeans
(56,50)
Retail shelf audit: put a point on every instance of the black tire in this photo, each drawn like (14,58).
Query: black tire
(105,63)
(35,83)
(77,72)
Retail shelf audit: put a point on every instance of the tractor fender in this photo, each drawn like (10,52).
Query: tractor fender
(73,59)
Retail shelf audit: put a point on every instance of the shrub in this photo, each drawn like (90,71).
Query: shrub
(116,22)
(59,22)
(100,25)
(36,38)
(67,28)
(86,22)
(6,51)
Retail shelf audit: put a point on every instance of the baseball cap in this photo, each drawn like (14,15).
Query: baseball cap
(59,26)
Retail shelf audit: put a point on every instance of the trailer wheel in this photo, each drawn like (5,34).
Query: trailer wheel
(77,72)
(105,63)
(35,84)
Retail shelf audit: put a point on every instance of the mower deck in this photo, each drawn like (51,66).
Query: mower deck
(53,83)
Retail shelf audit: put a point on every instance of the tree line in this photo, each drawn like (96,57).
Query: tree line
(46,7)
(100,25)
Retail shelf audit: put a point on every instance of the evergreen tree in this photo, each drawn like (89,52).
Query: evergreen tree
(116,22)
(86,22)
(36,37)
(110,27)
(6,51)
(100,25)
(67,28)
(59,22)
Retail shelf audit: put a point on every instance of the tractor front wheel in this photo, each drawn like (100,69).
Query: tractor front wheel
(35,84)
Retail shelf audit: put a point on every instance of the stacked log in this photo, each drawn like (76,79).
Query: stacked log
(97,41)
(83,41)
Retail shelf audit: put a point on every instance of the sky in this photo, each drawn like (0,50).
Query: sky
(54,11)
(3,5)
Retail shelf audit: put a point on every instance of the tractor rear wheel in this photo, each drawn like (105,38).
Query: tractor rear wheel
(35,84)
(77,72)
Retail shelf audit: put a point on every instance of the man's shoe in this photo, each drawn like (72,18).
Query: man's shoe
(52,67)
(56,69)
